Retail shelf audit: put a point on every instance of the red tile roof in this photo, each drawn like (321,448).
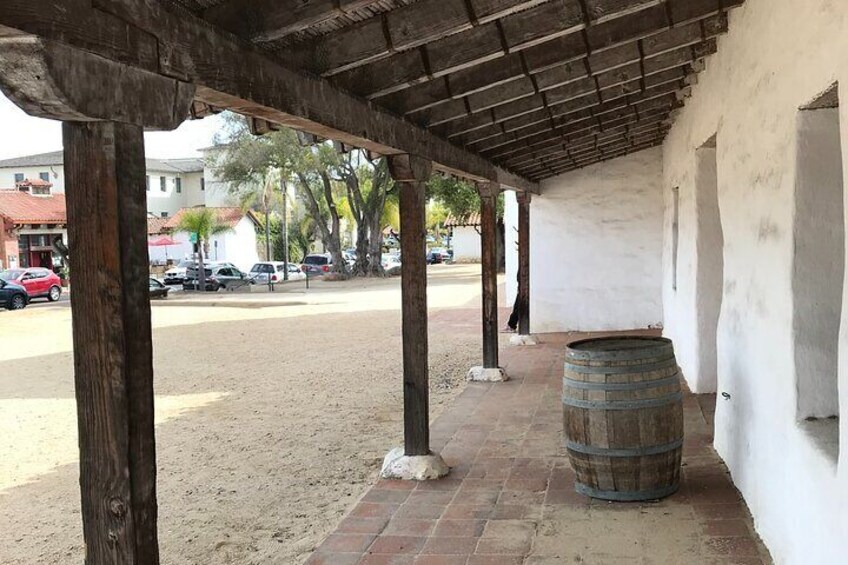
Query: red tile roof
(22,208)
(156,226)
(229,216)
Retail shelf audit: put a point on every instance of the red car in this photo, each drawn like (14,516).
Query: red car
(38,282)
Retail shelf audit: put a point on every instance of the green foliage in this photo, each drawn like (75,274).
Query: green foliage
(203,222)
(458,197)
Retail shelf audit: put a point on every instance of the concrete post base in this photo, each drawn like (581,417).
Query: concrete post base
(484,375)
(518,339)
(396,465)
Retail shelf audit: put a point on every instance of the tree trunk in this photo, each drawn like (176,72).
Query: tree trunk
(201,270)
(375,248)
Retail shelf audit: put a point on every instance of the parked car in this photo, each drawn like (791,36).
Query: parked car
(445,254)
(275,269)
(38,282)
(391,261)
(12,296)
(177,275)
(158,289)
(317,264)
(217,277)
(434,257)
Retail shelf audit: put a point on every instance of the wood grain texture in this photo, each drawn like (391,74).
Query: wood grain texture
(616,370)
(412,174)
(113,361)
(51,80)
(489,258)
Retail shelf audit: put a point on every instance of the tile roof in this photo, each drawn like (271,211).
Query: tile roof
(156,225)
(56,159)
(22,208)
(469,220)
(229,216)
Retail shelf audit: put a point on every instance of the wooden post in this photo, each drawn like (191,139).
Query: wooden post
(524,262)
(412,173)
(489,249)
(113,360)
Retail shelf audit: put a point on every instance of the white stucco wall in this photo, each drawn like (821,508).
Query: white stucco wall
(466,244)
(595,247)
(750,95)
(57,176)
(511,248)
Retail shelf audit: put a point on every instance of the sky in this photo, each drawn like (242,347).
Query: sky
(24,135)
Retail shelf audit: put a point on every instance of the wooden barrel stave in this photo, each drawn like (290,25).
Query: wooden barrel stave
(623,418)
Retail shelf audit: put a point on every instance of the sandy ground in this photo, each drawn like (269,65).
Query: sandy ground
(273,415)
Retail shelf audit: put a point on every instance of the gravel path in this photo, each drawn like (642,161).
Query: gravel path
(271,421)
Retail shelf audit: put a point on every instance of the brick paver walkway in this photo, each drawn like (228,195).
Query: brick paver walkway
(510,499)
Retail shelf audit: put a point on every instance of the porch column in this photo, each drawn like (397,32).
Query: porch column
(523,337)
(113,356)
(105,107)
(414,460)
(490,370)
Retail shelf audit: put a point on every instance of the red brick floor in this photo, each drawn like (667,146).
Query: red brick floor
(510,499)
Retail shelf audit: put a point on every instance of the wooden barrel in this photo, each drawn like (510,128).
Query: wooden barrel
(623,417)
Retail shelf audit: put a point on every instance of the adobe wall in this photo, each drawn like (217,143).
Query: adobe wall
(778,56)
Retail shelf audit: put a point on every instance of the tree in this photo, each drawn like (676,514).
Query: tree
(368,185)
(246,164)
(203,223)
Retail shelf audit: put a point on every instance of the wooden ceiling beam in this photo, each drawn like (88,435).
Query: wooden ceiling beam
(553,62)
(470,113)
(474,47)
(229,73)
(405,28)
(271,20)
(571,132)
(576,109)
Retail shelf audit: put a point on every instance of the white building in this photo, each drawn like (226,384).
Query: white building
(465,238)
(171,183)
(733,236)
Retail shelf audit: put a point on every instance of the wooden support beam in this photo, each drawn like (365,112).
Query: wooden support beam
(412,173)
(524,263)
(489,257)
(51,80)
(113,359)
(270,20)
(230,74)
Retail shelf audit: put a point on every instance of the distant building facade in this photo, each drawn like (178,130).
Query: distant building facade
(172,184)
(32,190)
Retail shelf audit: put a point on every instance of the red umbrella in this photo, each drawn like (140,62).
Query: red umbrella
(163,241)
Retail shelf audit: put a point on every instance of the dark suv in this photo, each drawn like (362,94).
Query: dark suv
(217,277)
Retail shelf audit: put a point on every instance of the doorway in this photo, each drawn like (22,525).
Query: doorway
(710,252)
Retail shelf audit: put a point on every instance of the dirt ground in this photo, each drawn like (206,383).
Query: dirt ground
(273,415)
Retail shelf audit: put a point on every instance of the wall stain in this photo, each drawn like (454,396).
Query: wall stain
(768,230)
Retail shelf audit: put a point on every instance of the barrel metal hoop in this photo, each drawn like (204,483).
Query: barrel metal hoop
(626,496)
(669,363)
(623,404)
(660,347)
(624,452)
(641,385)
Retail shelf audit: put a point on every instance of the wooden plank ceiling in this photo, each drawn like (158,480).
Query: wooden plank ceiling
(539,87)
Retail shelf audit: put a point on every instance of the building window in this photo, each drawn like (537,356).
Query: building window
(202,184)
(19,177)
(163,184)
(178,185)
(818,270)
(44,176)
(164,214)
(147,180)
